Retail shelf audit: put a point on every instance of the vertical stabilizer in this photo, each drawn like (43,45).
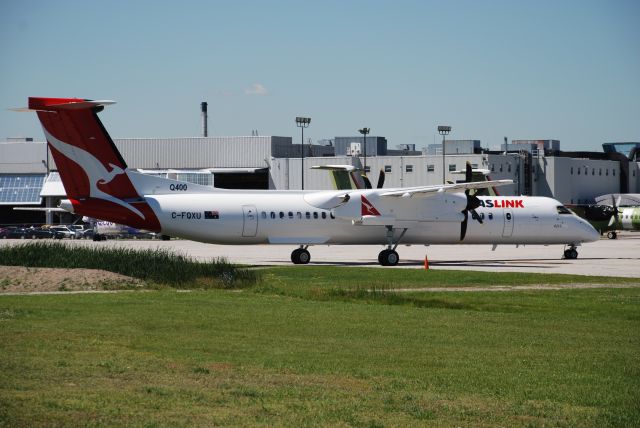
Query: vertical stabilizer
(93,172)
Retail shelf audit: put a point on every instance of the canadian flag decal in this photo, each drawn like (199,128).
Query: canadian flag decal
(368,208)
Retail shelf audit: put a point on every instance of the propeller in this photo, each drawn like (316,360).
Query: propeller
(367,182)
(598,212)
(473,202)
(615,216)
(381,178)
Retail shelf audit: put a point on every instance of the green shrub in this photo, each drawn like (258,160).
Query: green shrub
(156,265)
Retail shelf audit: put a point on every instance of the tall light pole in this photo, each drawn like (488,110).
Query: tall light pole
(302,122)
(365,131)
(443,130)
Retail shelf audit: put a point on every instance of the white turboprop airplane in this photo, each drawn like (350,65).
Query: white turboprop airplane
(99,184)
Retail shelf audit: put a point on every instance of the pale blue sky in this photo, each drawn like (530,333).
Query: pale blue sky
(567,69)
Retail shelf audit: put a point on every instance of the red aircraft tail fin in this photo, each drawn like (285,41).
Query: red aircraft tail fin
(93,172)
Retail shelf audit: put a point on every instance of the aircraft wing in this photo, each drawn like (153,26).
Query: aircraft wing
(426,191)
(347,168)
(345,177)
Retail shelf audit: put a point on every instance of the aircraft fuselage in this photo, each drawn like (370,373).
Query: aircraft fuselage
(276,217)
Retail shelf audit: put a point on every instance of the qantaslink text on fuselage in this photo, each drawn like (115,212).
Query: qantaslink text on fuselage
(504,203)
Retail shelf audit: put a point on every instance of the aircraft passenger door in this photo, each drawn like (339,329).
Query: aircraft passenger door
(507,231)
(250,221)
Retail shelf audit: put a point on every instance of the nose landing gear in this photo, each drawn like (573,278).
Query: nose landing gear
(571,253)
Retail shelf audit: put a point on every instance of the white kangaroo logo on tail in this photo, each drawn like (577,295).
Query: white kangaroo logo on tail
(94,169)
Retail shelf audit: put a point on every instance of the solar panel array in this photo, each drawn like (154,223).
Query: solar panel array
(20,188)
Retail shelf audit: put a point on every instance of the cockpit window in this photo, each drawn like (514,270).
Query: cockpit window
(563,210)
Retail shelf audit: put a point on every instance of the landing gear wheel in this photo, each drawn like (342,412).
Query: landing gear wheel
(388,258)
(612,235)
(300,256)
(571,254)
(304,257)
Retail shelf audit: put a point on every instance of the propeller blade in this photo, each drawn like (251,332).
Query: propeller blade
(367,183)
(463,225)
(475,215)
(598,212)
(473,202)
(615,210)
(381,178)
(468,173)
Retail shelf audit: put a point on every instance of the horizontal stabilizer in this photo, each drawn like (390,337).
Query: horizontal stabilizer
(55,104)
(41,209)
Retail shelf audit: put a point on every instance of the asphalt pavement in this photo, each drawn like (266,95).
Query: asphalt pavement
(620,257)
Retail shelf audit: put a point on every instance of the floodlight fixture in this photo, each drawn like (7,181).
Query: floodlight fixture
(443,130)
(302,122)
(364,132)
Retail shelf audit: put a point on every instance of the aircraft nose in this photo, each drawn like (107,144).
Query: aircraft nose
(588,232)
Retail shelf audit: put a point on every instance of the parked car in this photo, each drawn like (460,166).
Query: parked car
(13,233)
(79,229)
(65,230)
(40,233)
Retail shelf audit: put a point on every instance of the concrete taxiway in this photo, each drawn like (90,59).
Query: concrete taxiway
(620,257)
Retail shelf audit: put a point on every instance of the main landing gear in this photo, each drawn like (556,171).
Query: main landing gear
(389,256)
(612,235)
(300,256)
(571,253)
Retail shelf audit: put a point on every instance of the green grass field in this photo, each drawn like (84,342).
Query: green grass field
(310,346)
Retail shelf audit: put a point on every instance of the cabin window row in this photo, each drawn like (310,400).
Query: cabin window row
(481,215)
(593,171)
(298,214)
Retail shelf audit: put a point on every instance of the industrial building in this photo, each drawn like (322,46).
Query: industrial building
(28,176)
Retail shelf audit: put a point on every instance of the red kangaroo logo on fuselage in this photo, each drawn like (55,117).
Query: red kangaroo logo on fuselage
(367,207)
